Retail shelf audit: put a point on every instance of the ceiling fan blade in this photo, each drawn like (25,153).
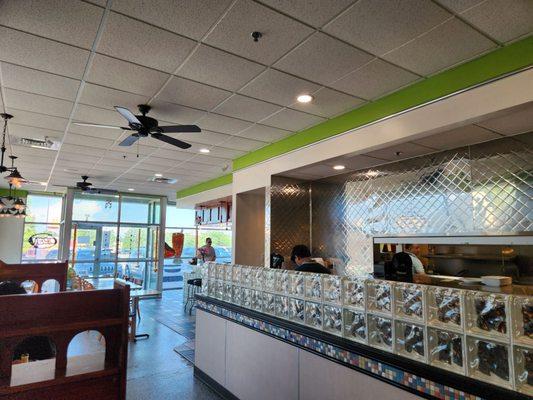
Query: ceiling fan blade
(180,128)
(100,125)
(129,140)
(132,119)
(171,140)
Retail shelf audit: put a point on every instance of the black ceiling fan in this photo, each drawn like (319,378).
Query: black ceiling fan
(144,126)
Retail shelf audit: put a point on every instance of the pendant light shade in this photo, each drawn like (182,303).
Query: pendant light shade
(15,179)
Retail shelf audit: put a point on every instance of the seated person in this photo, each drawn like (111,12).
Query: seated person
(36,347)
(302,257)
(418,267)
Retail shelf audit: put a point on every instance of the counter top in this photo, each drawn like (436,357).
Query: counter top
(457,283)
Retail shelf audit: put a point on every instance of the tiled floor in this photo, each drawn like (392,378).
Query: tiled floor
(155,370)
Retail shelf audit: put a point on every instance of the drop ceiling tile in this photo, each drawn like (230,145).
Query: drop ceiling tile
(313,12)
(104,97)
(380,26)
(38,120)
(277,87)
(443,47)
(205,168)
(33,81)
(95,115)
(205,137)
(219,68)
(243,144)
(407,150)
(502,20)
(72,158)
(515,122)
(459,6)
(191,18)
(43,54)
(160,164)
(355,163)
(280,33)
(125,76)
(223,124)
(322,59)
(89,141)
(32,132)
(193,94)
(216,151)
(27,153)
(246,108)
(458,137)
(37,103)
(131,152)
(264,133)
(72,22)
(292,120)
(144,44)
(374,79)
(211,160)
(328,103)
(173,113)
(112,134)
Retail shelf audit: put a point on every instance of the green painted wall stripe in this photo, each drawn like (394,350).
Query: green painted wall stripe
(489,66)
(19,193)
(202,187)
(499,62)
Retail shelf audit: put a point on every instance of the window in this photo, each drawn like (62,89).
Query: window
(42,228)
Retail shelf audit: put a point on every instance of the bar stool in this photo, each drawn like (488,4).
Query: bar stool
(194,287)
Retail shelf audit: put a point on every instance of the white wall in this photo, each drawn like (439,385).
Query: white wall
(11,232)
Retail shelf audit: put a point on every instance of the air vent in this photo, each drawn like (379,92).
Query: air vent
(163,180)
(46,144)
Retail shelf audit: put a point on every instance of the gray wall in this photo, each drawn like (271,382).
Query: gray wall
(249,245)
(11,236)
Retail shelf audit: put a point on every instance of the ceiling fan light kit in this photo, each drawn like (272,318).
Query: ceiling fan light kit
(144,126)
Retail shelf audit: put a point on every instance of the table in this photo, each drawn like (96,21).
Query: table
(135,297)
(109,283)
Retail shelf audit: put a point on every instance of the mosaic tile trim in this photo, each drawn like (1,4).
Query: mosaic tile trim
(374,367)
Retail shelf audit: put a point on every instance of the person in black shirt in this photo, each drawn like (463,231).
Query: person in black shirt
(302,257)
(36,347)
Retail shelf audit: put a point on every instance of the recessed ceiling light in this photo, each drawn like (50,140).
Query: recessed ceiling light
(158,175)
(43,183)
(304,98)
(372,173)
(131,189)
(339,167)
(204,150)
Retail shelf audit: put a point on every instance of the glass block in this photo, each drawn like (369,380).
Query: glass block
(297,284)
(270,280)
(313,314)
(282,306)
(332,285)
(446,350)
(488,361)
(409,301)
(257,300)
(380,332)
(269,305)
(445,308)
(236,274)
(236,296)
(246,297)
(246,276)
(379,296)
(228,292)
(333,319)
(205,286)
(355,325)
(354,293)
(409,340)
(282,282)
(313,286)
(212,288)
(228,272)
(219,291)
(258,277)
(211,270)
(487,314)
(296,310)
(522,319)
(523,369)
(219,271)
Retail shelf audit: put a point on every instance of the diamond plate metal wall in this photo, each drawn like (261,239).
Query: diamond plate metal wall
(485,189)
(289,212)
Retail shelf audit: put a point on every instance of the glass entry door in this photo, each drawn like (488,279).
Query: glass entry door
(92,251)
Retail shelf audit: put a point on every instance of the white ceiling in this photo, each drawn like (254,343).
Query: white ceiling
(516,123)
(194,61)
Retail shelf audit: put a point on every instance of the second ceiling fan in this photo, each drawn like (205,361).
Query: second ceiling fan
(143,126)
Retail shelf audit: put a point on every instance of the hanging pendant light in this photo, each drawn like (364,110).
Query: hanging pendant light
(20,205)
(15,178)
